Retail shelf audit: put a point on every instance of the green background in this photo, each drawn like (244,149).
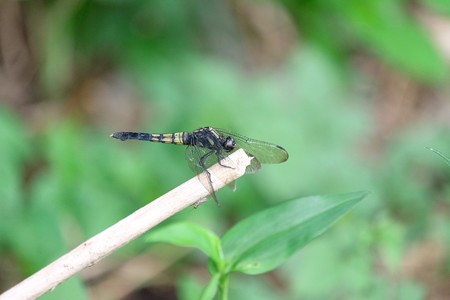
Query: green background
(354,90)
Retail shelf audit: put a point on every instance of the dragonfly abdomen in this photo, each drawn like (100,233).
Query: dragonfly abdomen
(178,138)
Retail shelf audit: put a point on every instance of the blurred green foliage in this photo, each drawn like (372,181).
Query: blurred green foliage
(261,242)
(383,27)
(193,64)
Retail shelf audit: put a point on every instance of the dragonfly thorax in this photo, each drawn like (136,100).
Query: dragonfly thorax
(210,138)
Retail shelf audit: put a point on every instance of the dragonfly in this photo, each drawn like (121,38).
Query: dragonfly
(207,146)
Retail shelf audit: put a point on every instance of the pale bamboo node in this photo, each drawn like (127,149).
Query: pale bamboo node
(126,230)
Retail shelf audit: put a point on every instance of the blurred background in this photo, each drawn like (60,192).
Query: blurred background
(354,90)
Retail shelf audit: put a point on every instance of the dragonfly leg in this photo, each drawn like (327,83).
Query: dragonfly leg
(202,165)
(203,159)
(220,158)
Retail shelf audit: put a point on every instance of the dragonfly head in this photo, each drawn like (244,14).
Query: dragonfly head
(229,144)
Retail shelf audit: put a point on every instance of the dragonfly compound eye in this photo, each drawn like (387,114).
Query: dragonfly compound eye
(229,144)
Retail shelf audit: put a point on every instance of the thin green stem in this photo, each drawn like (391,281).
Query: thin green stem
(224,285)
(440,154)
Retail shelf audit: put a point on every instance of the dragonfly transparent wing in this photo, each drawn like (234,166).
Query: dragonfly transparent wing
(193,156)
(263,152)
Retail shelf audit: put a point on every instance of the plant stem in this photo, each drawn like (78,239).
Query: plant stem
(126,230)
(224,286)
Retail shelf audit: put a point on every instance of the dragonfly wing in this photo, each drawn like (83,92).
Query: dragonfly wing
(264,152)
(232,185)
(254,166)
(194,156)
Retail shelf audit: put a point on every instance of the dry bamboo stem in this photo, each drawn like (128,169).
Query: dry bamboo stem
(126,230)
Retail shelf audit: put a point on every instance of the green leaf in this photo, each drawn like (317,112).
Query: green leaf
(188,235)
(389,31)
(211,289)
(263,241)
